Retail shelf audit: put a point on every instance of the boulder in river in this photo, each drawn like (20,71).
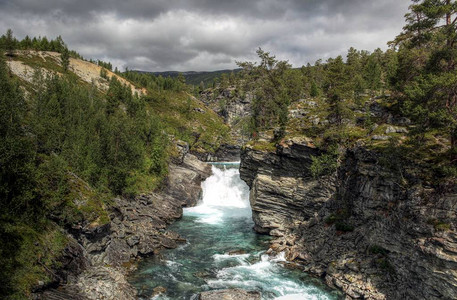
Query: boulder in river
(230,294)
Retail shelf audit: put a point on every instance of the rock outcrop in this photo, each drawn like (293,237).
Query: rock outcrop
(184,179)
(99,257)
(226,153)
(234,106)
(228,103)
(367,230)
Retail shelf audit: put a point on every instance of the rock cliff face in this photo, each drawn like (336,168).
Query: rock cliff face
(234,107)
(362,229)
(228,104)
(99,257)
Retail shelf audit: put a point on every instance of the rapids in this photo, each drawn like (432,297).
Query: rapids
(222,251)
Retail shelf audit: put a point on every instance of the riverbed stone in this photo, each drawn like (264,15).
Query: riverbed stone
(230,294)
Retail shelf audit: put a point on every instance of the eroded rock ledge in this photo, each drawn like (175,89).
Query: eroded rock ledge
(98,258)
(361,229)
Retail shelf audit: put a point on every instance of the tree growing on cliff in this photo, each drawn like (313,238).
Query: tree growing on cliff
(267,82)
(427,74)
(337,89)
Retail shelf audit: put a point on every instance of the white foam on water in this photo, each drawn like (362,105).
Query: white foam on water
(174,266)
(297,297)
(263,275)
(219,257)
(160,297)
(224,195)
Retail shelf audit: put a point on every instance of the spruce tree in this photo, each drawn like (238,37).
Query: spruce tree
(429,82)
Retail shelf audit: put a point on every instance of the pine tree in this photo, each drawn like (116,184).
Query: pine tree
(267,81)
(431,36)
(65,57)
(9,42)
(336,86)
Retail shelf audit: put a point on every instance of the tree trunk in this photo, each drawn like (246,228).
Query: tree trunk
(454,146)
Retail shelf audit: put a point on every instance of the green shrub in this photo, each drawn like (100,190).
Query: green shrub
(375,249)
(439,225)
(323,165)
(343,226)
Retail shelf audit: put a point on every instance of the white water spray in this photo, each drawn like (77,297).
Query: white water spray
(224,195)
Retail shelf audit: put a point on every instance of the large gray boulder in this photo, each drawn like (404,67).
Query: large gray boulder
(230,294)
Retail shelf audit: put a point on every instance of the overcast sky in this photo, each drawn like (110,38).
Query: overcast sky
(199,35)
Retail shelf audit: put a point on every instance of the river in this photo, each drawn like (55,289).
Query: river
(223,251)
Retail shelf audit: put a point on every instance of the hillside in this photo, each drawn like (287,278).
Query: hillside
(77,145)
(24,64)
(195,78)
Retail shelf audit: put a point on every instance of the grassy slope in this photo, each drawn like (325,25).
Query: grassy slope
(190,120)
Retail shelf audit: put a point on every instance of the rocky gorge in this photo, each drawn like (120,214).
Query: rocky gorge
(362,228)
(96,261)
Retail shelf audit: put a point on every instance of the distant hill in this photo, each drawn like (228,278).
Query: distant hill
(193,77)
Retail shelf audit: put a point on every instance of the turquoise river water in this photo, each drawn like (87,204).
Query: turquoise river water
(220,224)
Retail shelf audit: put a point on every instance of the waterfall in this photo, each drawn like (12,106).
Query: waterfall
(223,251)
(225,195)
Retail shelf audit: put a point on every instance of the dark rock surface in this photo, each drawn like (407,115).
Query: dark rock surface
(230,294)
(225,153)
(362,229)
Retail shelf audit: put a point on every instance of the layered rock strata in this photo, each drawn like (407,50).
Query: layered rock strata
(373,232)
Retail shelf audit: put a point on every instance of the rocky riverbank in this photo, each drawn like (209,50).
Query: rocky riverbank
(97,259)
(363,228)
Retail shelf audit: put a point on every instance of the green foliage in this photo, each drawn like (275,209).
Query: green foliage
(156,83)
(36,253)
(385,265)
(439,225)
(182,115)
(65,57)
(272,95)
(103,73)
(340,220)
(426,74)
(314,90)
(17,198)
(344,227)
(66,150)
(262,146)
(324,164)
(10,43)
(17,148)
(375,249)
(336,88)
(105,65)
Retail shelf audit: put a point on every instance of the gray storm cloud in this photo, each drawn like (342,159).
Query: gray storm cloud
(207,35)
